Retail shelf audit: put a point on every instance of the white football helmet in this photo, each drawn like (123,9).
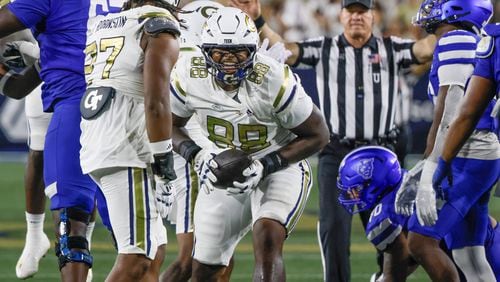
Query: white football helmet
(194,17)
(231,30)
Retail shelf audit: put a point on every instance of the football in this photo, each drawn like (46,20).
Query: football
(230,165)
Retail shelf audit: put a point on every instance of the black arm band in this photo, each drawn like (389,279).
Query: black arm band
(259,22)
(273,162)
(188,149)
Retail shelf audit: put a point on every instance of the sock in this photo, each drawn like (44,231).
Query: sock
(34,224)
(90,230)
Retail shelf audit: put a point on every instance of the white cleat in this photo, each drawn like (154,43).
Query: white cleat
(89,276)
(33,251)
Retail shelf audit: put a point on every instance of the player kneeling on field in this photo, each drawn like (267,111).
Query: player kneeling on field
(370,177)
(250,102)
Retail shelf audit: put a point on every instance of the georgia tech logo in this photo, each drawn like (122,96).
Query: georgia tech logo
(250,24)
(207,11)
(92,100)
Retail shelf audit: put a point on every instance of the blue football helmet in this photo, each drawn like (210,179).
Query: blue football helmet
(471,14)
(365,176)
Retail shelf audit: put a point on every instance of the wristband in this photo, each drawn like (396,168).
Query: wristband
(161,147)
(4,79)
(273,162)
(259,22)
(188,149)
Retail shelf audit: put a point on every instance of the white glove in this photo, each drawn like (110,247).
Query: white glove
(203,161)
(277,51)
(253,174)
(29,51)
(165,196)
(426,205)
(405,197)
(425,202)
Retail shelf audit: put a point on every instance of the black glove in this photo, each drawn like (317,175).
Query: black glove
(163,166)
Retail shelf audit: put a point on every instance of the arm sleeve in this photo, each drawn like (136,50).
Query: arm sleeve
(403,51)
(309,53)
(381,231)
(292,106)
(456,57)
(484,68)
(30,12)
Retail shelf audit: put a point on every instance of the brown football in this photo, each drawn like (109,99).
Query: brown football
(230,166)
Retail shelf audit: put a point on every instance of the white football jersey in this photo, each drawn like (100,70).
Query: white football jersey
(270,101)
(114,56)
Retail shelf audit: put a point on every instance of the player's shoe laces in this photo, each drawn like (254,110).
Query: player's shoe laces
(33,251)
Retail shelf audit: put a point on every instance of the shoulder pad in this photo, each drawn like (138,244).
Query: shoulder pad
(485,47)
(492,29)
(161,24)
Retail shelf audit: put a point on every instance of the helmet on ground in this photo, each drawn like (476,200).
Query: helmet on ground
(193,18)
(229,33)
(470,14)
(365,176)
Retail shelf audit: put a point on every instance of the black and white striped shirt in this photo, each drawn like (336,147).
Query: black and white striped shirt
(357,87)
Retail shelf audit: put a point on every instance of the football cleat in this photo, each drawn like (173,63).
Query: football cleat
(33,251)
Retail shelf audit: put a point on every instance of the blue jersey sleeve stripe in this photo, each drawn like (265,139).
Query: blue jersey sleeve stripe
(458,61)
(458,47)
(292,94)
(176,95)
(389,238)
(383,235)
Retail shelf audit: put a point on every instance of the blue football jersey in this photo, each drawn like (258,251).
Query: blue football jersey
(453,64)
(488,55)
(60,27)
(385,224)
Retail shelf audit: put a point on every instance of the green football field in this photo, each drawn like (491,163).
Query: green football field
(302,256)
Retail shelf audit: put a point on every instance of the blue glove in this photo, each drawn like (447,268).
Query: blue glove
(443,170)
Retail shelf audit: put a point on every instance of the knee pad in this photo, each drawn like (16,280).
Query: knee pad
(67,243)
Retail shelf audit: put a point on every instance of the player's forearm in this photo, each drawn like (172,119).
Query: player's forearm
(398,263)
(479,94)
(450,103)
(158,119)
(423,49)
(9,23)
(18,86)
(312,136)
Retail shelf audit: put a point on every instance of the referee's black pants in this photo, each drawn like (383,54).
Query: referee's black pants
(334,221)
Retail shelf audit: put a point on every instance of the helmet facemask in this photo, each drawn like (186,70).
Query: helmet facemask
(229,64)
(429,16)
(353,198)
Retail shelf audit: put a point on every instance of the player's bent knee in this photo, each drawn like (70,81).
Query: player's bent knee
(73,249)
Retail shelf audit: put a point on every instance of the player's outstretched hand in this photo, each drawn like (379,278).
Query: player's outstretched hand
(165,197)
(278,51)
(443,170)
(425,204)
(203,162)
(251,7)
(405,197)
(253,174)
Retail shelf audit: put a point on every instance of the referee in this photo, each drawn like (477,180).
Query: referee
(357,76)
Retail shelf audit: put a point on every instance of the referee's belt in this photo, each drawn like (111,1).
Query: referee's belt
(385,141)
